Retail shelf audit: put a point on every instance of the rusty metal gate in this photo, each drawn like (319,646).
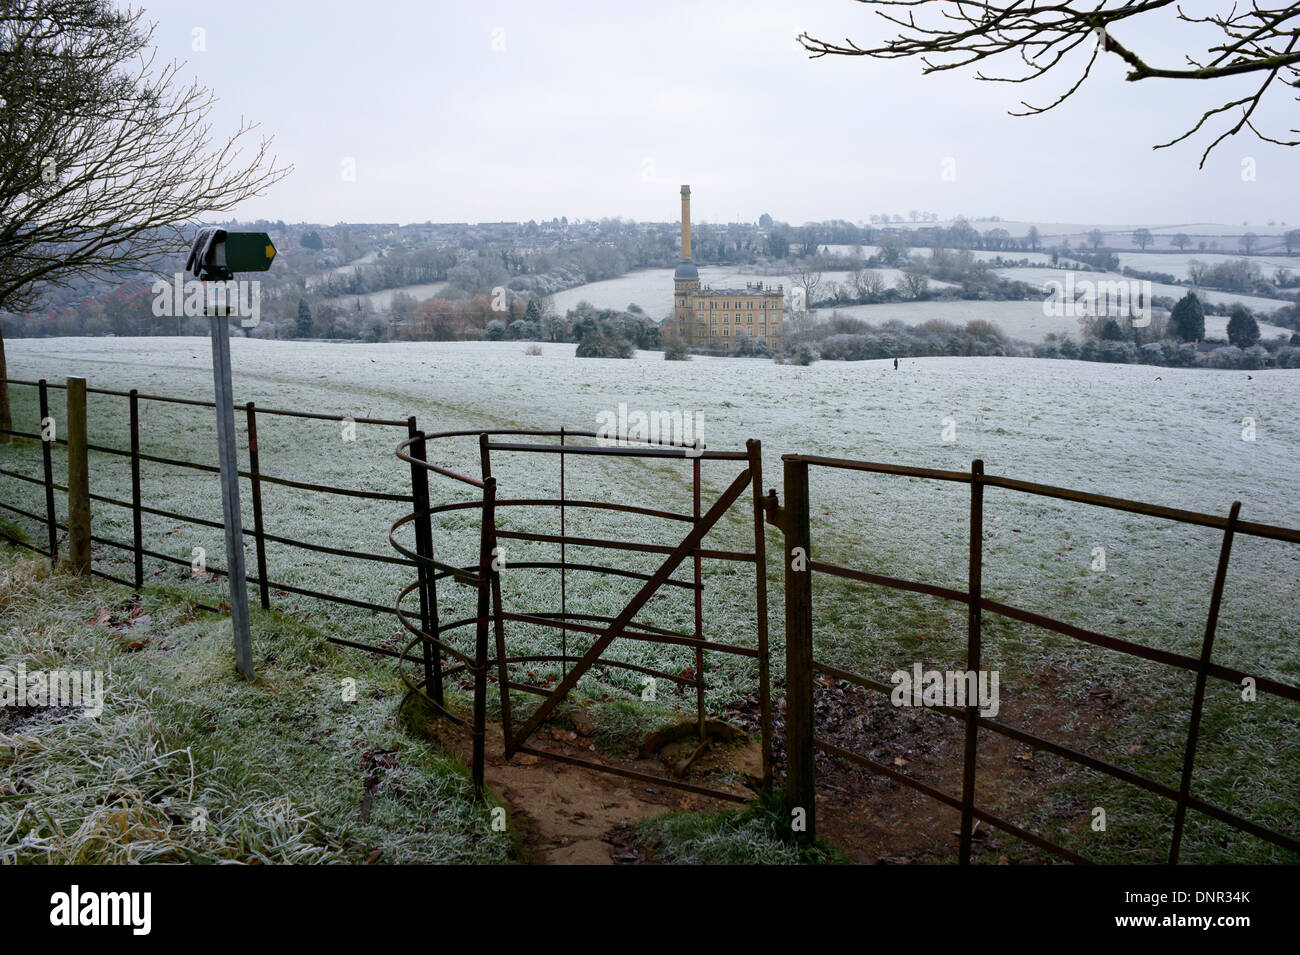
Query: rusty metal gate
(489,660)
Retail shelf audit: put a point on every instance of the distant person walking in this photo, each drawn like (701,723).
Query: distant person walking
(895,364)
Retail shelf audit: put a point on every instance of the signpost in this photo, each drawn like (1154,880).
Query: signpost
(216,256)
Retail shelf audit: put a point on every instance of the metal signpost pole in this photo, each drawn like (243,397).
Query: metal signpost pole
(230,495)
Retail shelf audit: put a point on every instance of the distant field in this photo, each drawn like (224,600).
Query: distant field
(1168,436)
(1260,306)
(652,289)
(1176,264)
(384,299)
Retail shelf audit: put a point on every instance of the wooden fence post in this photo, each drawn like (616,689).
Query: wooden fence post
(800,779)
(78,480)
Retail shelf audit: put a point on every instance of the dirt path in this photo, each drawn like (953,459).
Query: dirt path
(565,814)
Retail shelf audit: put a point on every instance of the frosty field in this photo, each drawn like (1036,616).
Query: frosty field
(646,287)
(1167,436)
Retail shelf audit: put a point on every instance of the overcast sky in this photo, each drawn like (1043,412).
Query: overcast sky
(453,111)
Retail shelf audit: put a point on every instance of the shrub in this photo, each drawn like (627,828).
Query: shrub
(676,350)
(1178,354)
(1229,356)
(1288,357)
(801,354)
(596,345)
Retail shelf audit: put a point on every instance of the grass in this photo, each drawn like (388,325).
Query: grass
(758,834)
(189,763)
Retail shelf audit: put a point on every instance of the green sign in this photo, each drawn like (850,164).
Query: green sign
(247,252)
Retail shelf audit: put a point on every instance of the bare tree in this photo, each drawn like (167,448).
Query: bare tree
(810,280)
(1096,238)
(1142,238)
(103,157)
(1261,38)
(1182,240)
(913,283)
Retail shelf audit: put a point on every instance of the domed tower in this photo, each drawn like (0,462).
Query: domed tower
(686,280)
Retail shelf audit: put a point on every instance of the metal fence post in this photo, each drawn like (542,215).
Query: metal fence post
(800,778)
(481,634)
(755,449)
(698,581)
(51,520)
(498,620)
(236,576)
(1202,672)
(564,568)
(78,480)
(976,576)
(137,533)
(424,549)
(255,483)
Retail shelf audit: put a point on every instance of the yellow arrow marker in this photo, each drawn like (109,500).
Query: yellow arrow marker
(270,252)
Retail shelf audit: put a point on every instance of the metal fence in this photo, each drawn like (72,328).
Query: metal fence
(260,532)
(802,741)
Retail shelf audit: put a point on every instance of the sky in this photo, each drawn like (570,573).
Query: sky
(407,111)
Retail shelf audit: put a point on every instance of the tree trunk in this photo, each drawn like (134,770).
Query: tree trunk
(6,420)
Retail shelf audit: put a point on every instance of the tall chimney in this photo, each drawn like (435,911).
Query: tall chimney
(686,223)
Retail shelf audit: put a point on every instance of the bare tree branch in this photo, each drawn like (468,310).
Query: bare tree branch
(1043,33)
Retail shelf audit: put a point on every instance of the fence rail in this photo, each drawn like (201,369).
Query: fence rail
(801,736)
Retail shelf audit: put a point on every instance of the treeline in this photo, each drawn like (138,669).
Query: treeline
(842,338)
(480,318)
(390,270)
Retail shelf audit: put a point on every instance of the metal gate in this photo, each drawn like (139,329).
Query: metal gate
(489,658)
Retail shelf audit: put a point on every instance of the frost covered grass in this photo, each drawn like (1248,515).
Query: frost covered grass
(759,834)
(1168,436)
(188,763)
